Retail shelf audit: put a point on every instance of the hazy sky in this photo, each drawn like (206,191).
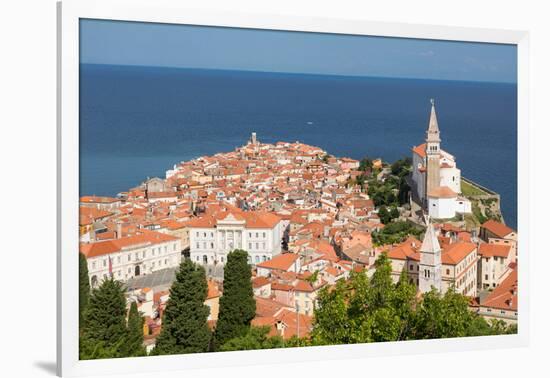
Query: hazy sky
(149,44)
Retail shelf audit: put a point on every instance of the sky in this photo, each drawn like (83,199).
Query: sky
(187,46)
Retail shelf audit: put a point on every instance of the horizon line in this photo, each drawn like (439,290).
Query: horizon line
(298,73)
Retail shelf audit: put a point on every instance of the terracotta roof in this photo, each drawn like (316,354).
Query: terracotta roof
(280,262)
(281,287)
(116,245)
(454,253)
(491,250)
(90,214)
(260,281)
(304,286)
(268,307)
(213,290)
(504,296)
(98,199)
(420,150)
(442,192)
(252,219)
(497,228)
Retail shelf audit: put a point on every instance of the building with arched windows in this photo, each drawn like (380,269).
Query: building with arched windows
(131,256)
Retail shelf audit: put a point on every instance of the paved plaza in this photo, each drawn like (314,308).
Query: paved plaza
(162,279)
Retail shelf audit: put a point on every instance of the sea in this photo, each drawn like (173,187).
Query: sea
(137,122)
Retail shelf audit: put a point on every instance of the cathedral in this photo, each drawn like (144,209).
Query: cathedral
(436,178)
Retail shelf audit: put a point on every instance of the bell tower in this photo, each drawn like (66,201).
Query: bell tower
(429,269)
(433,142)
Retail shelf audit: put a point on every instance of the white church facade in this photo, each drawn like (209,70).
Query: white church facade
(436,177)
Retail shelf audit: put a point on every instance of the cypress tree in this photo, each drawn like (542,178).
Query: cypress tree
(84,288)
(237,304)
(104,333)
(134,345)
(381,282)
(184,324)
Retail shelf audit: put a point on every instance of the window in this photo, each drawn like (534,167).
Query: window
(118,259)
(411,267)
(204,234)
(257,246)
(256,234)
(249,245)
(93,265)
(264,234)
(104,263)
(448,271)
(198,245)
(165,261)
(212,245)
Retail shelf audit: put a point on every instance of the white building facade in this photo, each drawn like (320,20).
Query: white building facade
(212,239)
(131,256)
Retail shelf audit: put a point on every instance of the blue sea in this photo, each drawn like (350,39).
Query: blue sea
(137,122)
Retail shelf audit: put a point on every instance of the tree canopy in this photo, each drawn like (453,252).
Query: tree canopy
(104,333)
(374,309)
(396,232)
(237,304)
(255,338)
(134,345)
(184,323)
(83,287)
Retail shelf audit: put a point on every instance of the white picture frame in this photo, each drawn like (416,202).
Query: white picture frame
(166,11)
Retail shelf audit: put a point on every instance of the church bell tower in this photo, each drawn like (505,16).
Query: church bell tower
(429,269)
(433,142)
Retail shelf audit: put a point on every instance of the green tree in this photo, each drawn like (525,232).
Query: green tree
(384,214)
(381,283)
(401,167)
(395,232)
(104,333)
(237,304)
(255,338)
(441,316)
(184,323)
(404,191)
(332,323)
(83,288)
(134,344)
(365,164)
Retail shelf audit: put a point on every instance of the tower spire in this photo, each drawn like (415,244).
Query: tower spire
(430,261)
(432,134)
